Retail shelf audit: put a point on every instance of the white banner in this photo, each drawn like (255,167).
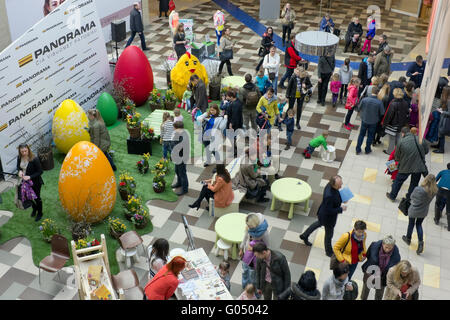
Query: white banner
(61,57)
(23,14)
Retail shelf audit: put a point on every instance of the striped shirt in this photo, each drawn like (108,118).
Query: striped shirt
(167,131)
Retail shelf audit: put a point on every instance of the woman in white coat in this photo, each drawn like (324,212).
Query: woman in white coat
(271,66)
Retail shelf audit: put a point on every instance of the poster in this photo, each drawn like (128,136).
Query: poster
(188,31)
(61,57)
(23,14)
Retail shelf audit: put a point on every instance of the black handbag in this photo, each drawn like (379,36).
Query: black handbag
(261,51)
(404,206)
(226,54)
(291,25)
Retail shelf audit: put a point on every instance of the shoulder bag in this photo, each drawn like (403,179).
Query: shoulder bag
(334,263)
(404,206)
(226,54)
(425,173)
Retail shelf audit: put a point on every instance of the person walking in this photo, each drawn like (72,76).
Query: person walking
(420,203)
(443,196)
(402,282)
(29,169)
(324,71)
(287,21)
(383,62)
(416,71)
(180,41)
(291,59)
(298,86)
(327,214)
(345,75)
(271,67)
(136,26)
(381,256)
(226,52)
(411,162)
(272,272)
(397,116)
(365,72)
(250,95)
(351,247)
(352,102)
(371,110)
(234,111)
(99,134)
(266,43)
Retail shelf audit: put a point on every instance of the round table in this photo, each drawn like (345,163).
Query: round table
(233,81)
(290,190)
(316,43)
(231,228)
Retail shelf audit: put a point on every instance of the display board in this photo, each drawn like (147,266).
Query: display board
(62,57)
(23,14)
(188,31)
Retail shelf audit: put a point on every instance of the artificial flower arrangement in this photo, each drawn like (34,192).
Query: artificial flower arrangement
(129,107)
(117,225)
(133,204)
(147,132)
(143,164)
(169,96)
(159,183)
(140,219)
(155,97)
(127,183)
(134,120)
(161,167)
(48,228)
(86,243)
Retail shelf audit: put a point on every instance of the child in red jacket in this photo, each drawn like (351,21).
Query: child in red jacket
(352,101)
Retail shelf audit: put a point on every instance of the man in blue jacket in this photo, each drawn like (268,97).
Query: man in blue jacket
(416,70)
(327,214)
(443,196)
(136,26)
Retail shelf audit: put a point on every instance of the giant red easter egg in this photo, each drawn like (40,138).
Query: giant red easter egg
(133,75)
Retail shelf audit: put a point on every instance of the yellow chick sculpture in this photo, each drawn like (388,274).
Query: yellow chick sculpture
(186,66)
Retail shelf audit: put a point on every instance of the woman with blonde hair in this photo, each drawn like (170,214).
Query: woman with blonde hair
(418,210)
(99,134)
(256,229)
(402,282)
(383,96)
(180,41)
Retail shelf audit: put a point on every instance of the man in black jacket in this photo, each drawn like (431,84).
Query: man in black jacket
(365,72)
(401,83)
(353,35)
(199,98)
(272,274)
(324,71)
(180,157)
(382,42)
(416,70)
(234,111)
(381,256)
(327,214)
(136,26)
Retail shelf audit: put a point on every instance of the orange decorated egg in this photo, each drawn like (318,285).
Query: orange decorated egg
(87,186)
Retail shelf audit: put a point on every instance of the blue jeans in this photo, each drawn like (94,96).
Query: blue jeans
(275,84)
(141,35)
(219,35)
(167,147)
(287,75)
(289,137)
(248,275)
(351,270)
(418,223)
(370,129)
(182,179)
(398,182)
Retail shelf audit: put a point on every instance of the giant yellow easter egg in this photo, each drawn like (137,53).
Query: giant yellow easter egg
(87,186)
(69,125)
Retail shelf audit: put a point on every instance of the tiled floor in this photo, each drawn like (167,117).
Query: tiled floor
(364,174)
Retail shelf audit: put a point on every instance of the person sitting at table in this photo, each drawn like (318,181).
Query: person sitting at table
(220,189)
(249,179)
(163,290)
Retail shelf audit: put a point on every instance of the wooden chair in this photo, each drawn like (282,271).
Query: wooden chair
(57,258)
(126,283)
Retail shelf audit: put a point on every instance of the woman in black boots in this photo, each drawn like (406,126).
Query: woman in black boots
(29,168)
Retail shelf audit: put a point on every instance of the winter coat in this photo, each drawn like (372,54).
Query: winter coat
(199,95)
(291,89)
(323,25)
(287,18)
(414,67)
(343,248)
(414,115)
(373,259)
(223,193)
(420,203)
(243,93)
(395,84)
(383,64)
(225,43)
(393,173)
(99,135)
(333,289)
(371,30)
(163,5)
(180,49)
(266,42)
(407,155)
(371,110)
(264,238)
(136,21)
(381,47)
(444,115)
(271,64)
(247,178)
(291,57)
(352,30)
(234,115)
(432,133)
(345,74)
(34,171)
(352,97)
(397,114)
(362,72)
(295,292)
(279,272)
(393,287)
(162,286)
(330,206)
(271,108)
(326,65)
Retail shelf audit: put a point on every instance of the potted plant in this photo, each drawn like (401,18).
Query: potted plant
(161,167)
(48,228)
(143,164)
(140,219)
(132,206)
(147,132)
(116,227)
(87,243)
(129,108)
(170,99)
(80,230)
(134,125)
(127,185)
(155,100)
(159,184)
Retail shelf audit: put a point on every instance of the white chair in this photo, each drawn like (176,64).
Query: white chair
(223,245)
(328,155)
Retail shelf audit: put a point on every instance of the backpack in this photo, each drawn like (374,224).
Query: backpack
(252,98)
